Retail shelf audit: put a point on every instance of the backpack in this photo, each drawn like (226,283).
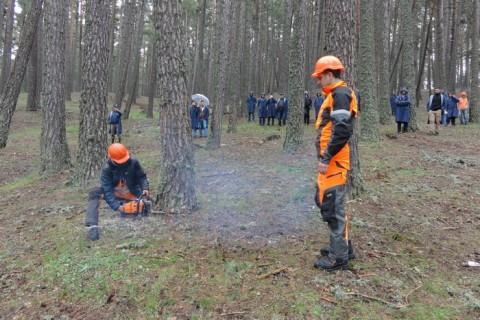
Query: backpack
(114,117)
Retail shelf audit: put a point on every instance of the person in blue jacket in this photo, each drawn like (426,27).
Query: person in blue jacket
(115,123)
(393,106)
(317,103)
(251,103)
(402,112)
(282,108)
(262,109)
(272,110)
(452,109)
(194,121)
(203,115)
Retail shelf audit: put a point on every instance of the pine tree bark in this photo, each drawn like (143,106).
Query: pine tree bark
(439,73)
(453,42)
(474,91)
(2,9)
(7,45)
(407,19)
(198,76)
(341,41)
(125,50)
(9,96)
(234,52)
(216,116)
(34,72)
(92,137)
(176,191)
(381,44)
(136,53)
(153,77)
(111,40)
(296,81)
(366,77)
(54,152)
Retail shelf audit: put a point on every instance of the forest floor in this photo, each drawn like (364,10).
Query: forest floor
(248,252)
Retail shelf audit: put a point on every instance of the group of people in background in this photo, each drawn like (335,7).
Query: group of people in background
(199,114)
(443,109)
(271,109)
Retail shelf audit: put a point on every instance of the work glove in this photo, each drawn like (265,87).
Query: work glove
(145,193)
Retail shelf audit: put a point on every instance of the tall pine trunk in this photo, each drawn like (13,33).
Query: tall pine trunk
(92,136)
(296,80)
(176,185)
(54,152)
(34,72)
(9,96)
(474,91)
(7,45)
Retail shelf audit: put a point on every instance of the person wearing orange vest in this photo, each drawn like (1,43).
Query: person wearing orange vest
(463,107)
(335,127)
(124,186)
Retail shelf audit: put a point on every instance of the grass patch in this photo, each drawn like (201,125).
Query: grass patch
(22,182)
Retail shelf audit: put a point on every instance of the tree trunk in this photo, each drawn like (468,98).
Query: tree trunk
(453,41)
(474,91)
(34,73)
(71,50)
(2,20)
(176,185)
(135,66)
(92,136)
(234,50)
(54,152)
(9,96)
(341,41)
(407,19)
(217,114)
(111,40)
(125,50)
(153,77)
(381,44)
(7,45)
(366,77)
(439,74)
(198,76)
(296,80)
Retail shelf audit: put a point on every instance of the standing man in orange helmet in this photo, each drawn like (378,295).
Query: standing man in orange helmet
(335,127)
(122,184)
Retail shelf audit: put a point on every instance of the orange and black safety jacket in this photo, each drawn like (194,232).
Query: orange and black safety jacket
(335,125)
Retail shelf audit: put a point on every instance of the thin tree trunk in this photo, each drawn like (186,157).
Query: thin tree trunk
(216,116)
(153,77)
(176,191)
(9,96)
(34,71)
(439,74)
(111,40)
(135,66)
(198,76)
(381,44)
(296,81)
(92,137)
(54,152)
(7,46)
(474,91)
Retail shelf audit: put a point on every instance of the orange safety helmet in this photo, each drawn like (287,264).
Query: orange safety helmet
(327,63)
(118,153)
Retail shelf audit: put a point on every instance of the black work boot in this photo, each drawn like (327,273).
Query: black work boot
(330,264)
(93,233)
(324,252)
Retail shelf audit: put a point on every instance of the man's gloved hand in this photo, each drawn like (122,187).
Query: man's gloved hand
(145,193)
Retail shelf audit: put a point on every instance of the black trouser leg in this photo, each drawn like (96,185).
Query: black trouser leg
(405,127)
(94,196)
(399,127)
(453,121)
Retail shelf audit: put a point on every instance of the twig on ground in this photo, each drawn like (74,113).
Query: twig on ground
(449,228)
(393,305)
(274,272)
(232,313)
(328,300)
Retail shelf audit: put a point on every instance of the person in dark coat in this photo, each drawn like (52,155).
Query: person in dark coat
(306,108)
(393,106)
(251,103)
(435,106)
(452,109)
(194,121)
(402,111)
(317,104)
(123,185)
(262,109)
(115,123)
(203,116)
(282,108)
(271,110)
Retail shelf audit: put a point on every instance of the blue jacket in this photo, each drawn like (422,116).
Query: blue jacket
(194,113)
(133,174)
(452,109)
(393,105)
(402,110)
(251,103)
(282,108)
(317,103)
(272,107)
(115,117)
(262,107)
(203,115)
